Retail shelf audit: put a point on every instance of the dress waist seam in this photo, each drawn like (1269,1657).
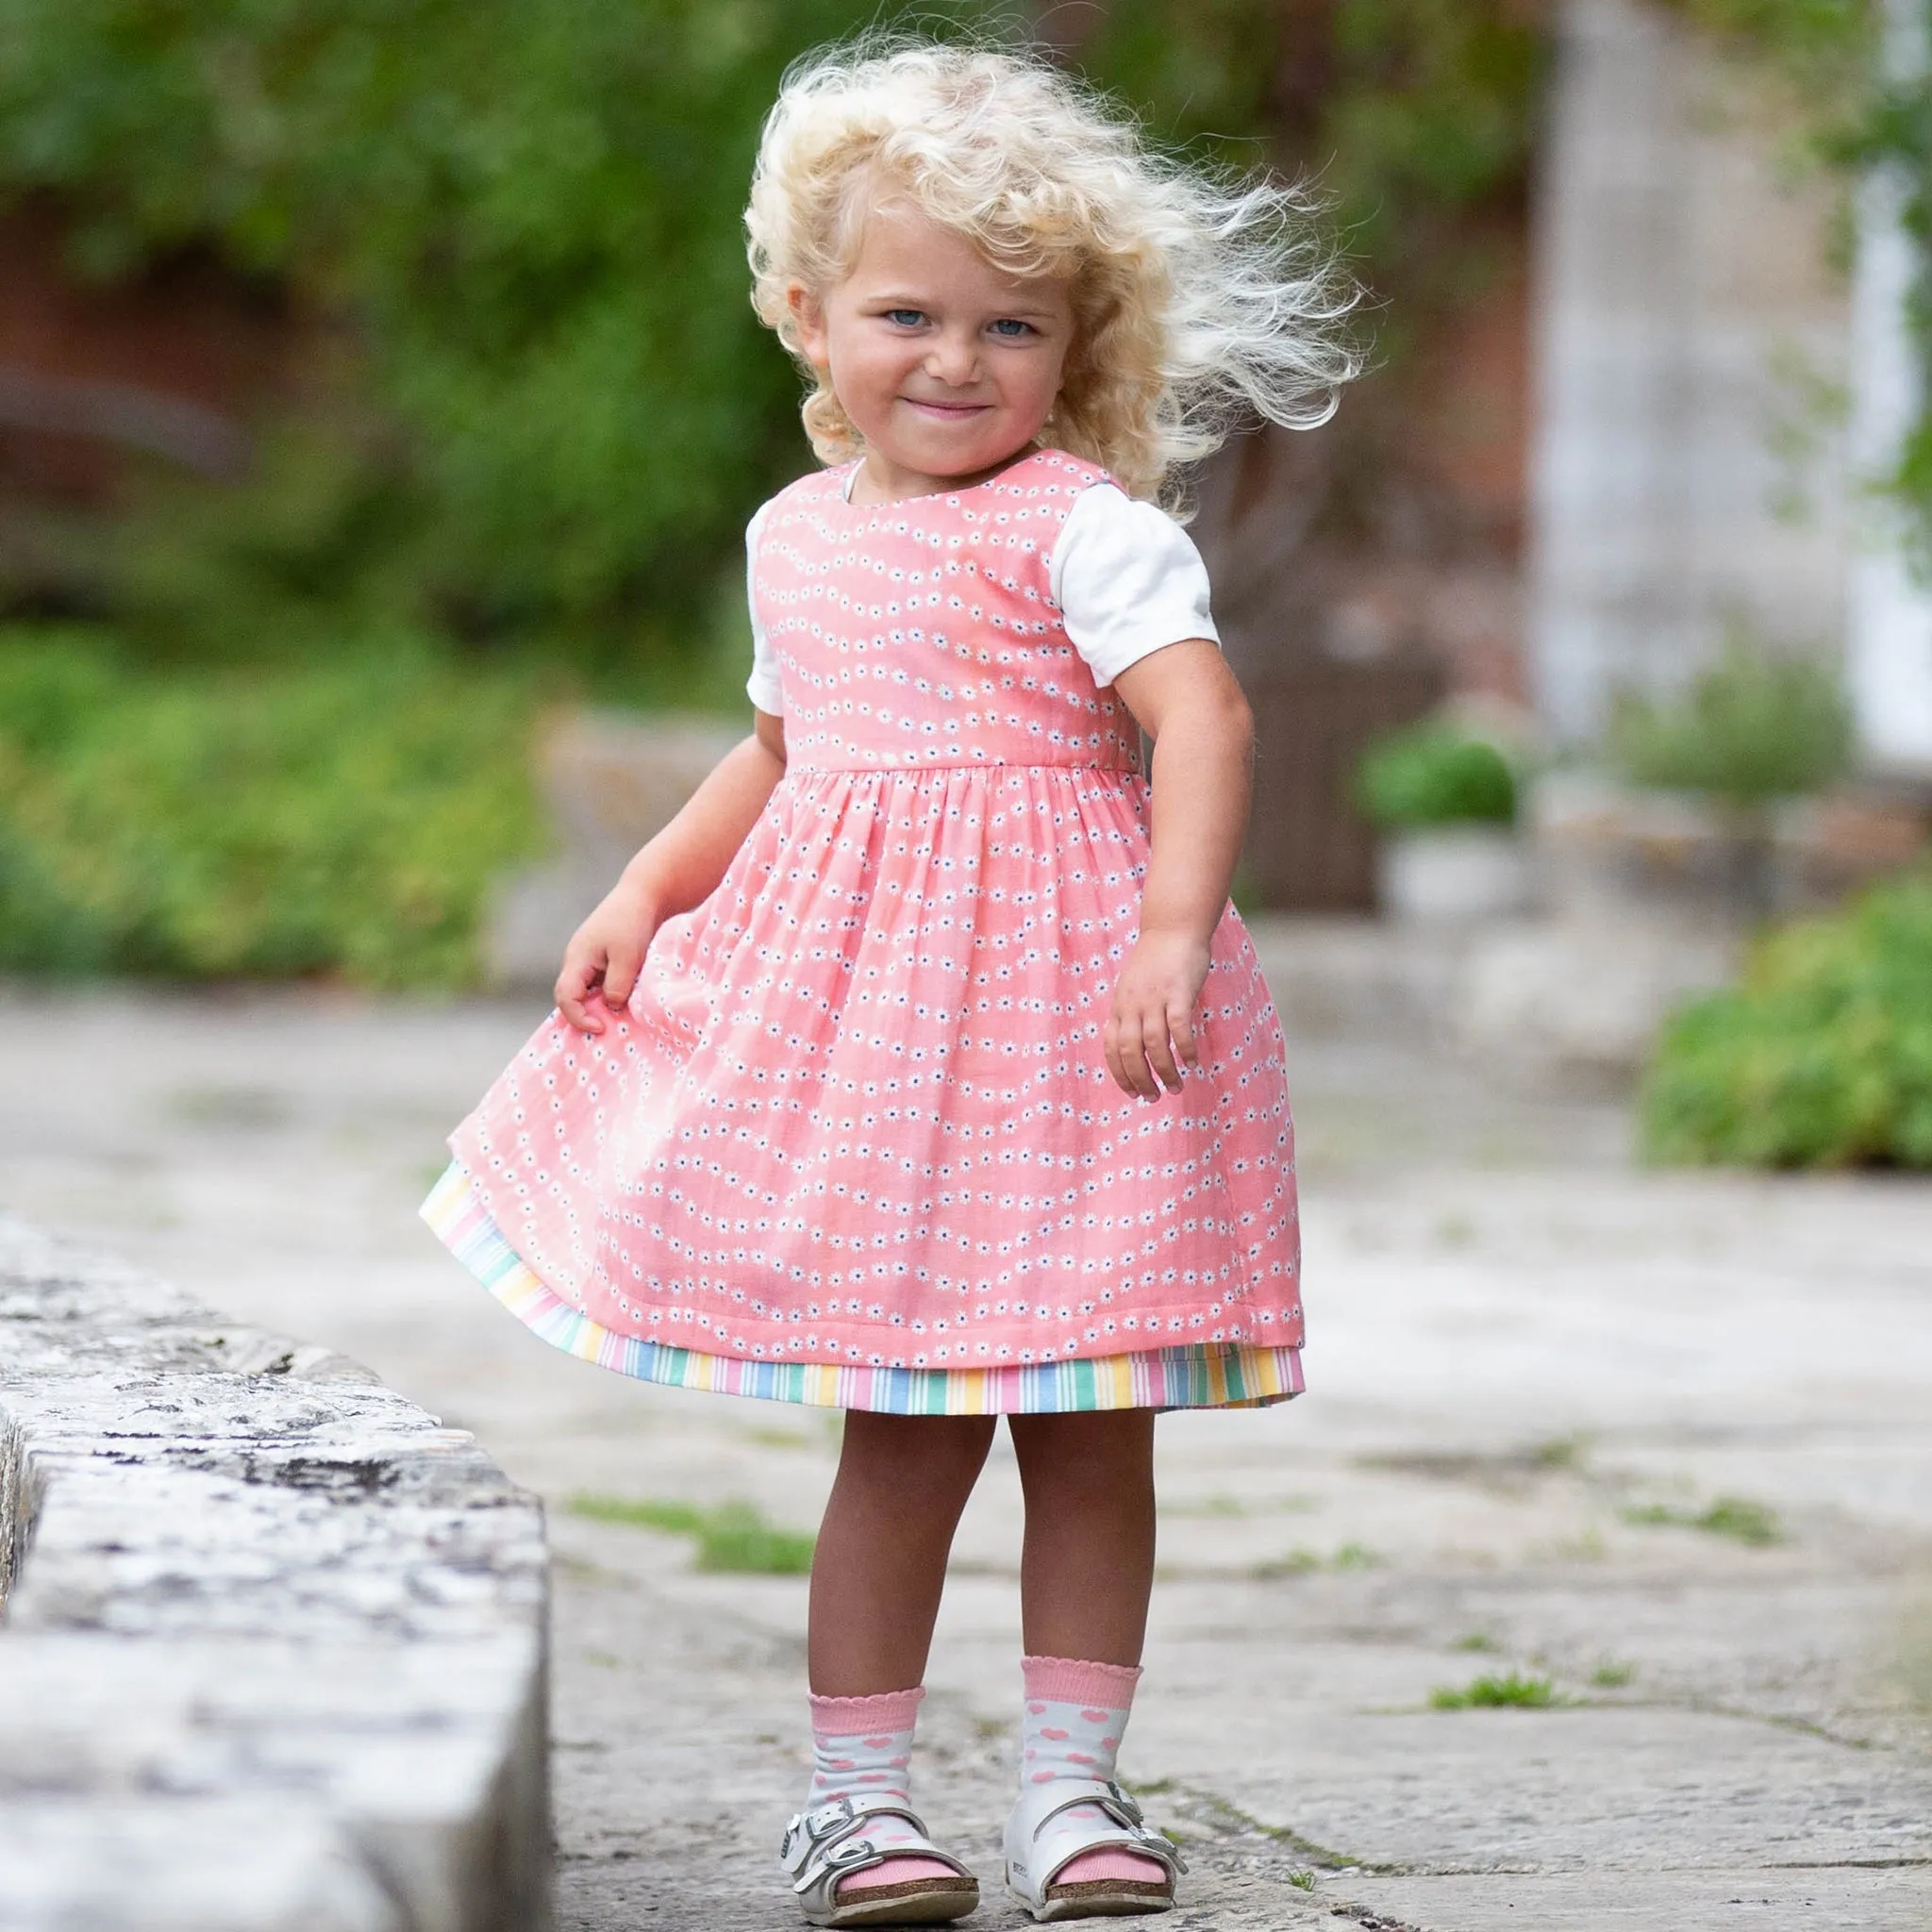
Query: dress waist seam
(800,771)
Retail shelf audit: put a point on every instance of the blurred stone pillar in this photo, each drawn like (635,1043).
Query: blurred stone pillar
(1889,639)
(1683,311)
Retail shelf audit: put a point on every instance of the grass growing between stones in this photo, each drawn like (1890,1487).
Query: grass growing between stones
(1304,1563)
(734,1538)
(1561,1452)
(1613,1674)
(1743,1520)
(1504,1692)
(1912,1658)
(1222,1507)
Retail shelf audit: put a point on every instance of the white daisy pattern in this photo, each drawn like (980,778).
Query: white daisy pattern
(857,1113)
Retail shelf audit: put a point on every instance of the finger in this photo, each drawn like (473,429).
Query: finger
(572,991)
(1160,1057)
(579,1015)
(1133,1059)
(621,975)
(1117,1056)
(1181,1027)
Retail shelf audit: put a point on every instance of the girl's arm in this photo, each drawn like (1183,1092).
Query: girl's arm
(680,868)
(1187,700)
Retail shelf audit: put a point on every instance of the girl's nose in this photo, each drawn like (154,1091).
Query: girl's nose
(953,360)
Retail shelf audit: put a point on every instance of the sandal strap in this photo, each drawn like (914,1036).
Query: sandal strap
(1053,1840)
(809,1834)
(825,1846)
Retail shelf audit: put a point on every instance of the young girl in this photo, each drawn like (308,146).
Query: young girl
(901,1074)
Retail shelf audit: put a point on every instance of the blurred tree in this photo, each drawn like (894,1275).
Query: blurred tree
(530,216)
(1405,114)
(521,222)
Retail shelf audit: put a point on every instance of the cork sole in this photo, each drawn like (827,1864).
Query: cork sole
(1104,1898)
(916,1902)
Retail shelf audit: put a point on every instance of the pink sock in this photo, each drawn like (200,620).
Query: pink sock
(862,1747)
(1076,1713)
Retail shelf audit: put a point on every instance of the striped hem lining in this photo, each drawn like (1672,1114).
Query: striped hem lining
(1196,1376)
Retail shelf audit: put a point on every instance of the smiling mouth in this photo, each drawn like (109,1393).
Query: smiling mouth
(949,410)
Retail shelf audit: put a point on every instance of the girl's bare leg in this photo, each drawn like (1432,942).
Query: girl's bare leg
(881,1558)
(1086,1567)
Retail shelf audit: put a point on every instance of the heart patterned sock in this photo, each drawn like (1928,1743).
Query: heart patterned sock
(1076,1713)
(862,1747)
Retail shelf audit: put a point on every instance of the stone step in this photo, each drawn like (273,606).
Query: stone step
(274,1651)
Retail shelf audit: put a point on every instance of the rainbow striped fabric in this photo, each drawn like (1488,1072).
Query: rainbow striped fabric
(1202,1376)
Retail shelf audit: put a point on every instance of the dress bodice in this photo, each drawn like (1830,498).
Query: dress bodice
(924,632)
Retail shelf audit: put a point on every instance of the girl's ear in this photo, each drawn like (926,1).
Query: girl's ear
(808,323)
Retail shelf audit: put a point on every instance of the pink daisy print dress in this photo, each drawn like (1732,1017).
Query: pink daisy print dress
(853,1143)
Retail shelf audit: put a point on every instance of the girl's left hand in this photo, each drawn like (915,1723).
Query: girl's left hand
(1150,1034)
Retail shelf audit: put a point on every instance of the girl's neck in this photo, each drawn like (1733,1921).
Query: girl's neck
(877,479)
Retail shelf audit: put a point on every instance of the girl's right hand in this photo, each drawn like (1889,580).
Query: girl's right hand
(604,956)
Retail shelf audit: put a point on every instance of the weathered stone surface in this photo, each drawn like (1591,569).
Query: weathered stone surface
(276,1655)
(1521,1338)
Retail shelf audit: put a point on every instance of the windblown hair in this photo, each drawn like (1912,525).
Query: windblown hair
(1199,303)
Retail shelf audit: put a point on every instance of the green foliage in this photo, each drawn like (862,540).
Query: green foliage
(530,214)
(1495,1693)
(1822,1054)
(1854,117)
(1406,111)
(344,819)
(1819,52)
(1755,726)
(1433,774)
(1735,1517)
(733,1538)
(552,409)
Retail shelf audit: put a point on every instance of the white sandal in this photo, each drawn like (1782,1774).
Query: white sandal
(1042,1842)
(826,1845)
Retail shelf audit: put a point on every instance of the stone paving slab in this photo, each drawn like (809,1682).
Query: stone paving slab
(1518,1341)
(1697,1900)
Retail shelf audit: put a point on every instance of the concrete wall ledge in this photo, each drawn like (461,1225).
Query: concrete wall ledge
(273,1656)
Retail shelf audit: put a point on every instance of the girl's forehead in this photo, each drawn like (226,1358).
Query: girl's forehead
(898,240)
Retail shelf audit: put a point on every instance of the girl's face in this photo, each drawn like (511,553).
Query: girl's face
(946,365)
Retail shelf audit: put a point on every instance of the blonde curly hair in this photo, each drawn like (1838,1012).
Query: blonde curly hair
(1199,302)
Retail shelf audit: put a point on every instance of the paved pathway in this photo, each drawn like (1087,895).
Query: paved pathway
(1518,1344)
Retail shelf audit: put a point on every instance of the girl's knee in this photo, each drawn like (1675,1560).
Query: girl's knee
(917,1449)
(1102,1447)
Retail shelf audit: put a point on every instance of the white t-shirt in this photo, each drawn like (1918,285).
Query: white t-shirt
(1125,575)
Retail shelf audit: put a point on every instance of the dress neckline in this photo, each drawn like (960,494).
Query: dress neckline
(847,474)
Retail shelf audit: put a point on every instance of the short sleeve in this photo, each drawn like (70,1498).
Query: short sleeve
(1128,580)
(762,686)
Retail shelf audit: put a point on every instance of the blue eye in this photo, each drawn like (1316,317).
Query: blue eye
(906,318)
(1011,328)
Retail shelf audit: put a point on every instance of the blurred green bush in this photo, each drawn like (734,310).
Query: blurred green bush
(344,818)
(1433,774)
(539,404)
(1821,1057)
(528,216)
(1755,725)
(534,408)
